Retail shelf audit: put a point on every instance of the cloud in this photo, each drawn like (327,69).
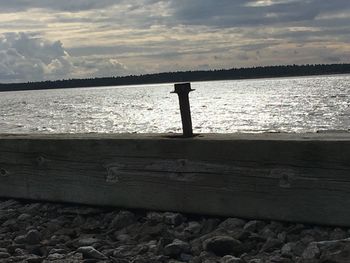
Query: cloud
(227,13)
(63,5)
(85,38)
(30,57)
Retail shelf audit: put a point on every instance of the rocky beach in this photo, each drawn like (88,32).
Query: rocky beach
(50,232)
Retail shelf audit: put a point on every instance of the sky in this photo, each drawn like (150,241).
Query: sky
(64,39)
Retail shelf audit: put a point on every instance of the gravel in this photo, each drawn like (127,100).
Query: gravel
(50,232)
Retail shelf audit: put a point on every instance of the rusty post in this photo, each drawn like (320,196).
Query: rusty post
(182,90)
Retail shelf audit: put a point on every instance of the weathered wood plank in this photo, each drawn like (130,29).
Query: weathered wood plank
(303,177)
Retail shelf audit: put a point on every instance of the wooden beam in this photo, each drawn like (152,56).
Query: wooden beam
(291,177)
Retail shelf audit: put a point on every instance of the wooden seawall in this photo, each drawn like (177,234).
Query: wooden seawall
(293,177)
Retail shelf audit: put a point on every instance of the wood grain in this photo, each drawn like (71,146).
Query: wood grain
(303,178)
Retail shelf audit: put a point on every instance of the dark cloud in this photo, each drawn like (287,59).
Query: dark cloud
(118,37)
(63,5)
(227,13)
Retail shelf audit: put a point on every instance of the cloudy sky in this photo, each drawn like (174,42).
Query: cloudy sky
(60,39)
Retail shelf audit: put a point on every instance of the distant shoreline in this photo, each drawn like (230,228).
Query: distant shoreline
(186,76)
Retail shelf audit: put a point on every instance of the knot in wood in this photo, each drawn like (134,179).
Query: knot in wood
(112,175)
(3,172)
(284,176)
(285,181)
(40,160)
(182,162)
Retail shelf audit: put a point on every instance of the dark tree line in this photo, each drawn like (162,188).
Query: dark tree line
(181,76)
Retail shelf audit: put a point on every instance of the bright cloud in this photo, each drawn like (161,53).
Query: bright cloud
(66,39)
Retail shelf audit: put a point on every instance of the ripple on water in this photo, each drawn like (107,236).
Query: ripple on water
(304,104)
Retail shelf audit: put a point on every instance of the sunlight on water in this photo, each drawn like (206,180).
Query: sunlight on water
(306,104)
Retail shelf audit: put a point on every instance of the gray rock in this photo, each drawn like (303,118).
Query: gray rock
(155,217)
(311,252)
(279,259)
(91,253)
(33,259)
(20,239)
(193,227)
(254,225)
(88,241)
(271,244)
(186,257)
(176,248)
(33,237)
(55,256)
(4,255)
(232,223)
(123,219)
(23,217)
(230,259)
(58,251)
(222,245)
(122,237)
(337,251)
(173,218)
(338,234)
(293,249)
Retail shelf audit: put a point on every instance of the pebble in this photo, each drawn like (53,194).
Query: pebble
(123,219)
(173,218)
(222,245)
(176,248)
(48,232)
(230,259)
(4,255)
(33,237)
(91,253)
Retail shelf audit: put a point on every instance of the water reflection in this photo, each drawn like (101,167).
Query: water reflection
(303,104)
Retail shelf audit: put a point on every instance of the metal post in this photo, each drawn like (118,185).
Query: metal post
(182,90)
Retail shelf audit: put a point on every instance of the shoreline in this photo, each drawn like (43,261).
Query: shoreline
(187,76)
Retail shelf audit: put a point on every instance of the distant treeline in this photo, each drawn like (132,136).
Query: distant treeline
(182,76)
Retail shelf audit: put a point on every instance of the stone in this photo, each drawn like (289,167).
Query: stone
(186,257)
(173,218)
(21,239)
(222,245)
(23,217)
(271,244)
(33,259)
(193,227)
(33,237)
(58,251)
(176,248)
(311,252)
(338,234)
(155,217)
(232,223)
(55,256)
(123,219)
(122,237)
(4,255)
(230,259)
(91,253)
(254,225)
(88,241)
(336,251)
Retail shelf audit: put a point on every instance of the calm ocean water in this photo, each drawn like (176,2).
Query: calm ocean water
(303,104)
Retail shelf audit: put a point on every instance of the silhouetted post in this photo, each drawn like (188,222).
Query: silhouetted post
(182,90)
